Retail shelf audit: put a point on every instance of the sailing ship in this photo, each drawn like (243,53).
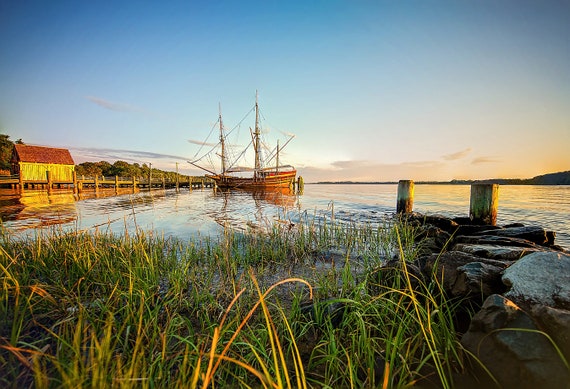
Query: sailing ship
(267,172)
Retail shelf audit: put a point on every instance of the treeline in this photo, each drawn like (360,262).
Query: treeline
(559,178)
(121,169)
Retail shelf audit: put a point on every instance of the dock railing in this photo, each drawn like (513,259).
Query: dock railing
(95,182)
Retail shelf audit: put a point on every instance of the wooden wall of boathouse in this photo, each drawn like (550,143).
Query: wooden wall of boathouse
(31,163)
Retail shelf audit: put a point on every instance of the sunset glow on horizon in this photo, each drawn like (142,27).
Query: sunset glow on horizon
(373,90)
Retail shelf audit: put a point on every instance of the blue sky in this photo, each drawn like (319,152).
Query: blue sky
(373,90)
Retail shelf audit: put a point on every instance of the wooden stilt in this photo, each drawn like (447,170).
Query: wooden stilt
(49,181)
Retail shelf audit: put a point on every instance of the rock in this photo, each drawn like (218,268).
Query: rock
(497,240)
(475,230)
(462,220)
(494,251)
(464,274)
(510,345)
(433,239)
(330,309)
(441,222)
(513,225)
(540,278)
(535,234)
(521,282)
(478,278)
(556,323)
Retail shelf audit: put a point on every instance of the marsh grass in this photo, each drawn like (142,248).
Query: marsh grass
(298,306)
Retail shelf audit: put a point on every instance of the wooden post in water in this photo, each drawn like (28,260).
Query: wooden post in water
(405,202)
(177,178)
(49,181)
(300,185)
(96,183)
(75,189)
(134,184)
(484,203)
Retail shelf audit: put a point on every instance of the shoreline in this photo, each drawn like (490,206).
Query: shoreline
(559,178)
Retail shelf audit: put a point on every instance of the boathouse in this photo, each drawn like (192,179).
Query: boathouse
(32,163)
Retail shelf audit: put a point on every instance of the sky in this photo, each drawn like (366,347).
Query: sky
(372,90)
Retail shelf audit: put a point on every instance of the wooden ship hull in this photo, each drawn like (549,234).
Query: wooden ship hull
(266,181)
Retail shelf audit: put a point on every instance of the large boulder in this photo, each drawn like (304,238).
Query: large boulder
(541,278)
(510,344)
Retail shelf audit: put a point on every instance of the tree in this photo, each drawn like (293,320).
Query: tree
(90,169)
(124,169)
(6,147)
(106,168)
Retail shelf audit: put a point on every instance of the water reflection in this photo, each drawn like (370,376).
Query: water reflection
(185,213)
(38,208)
(239,206)
(181,213)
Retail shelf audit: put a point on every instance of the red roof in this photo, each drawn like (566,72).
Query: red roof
(40,154)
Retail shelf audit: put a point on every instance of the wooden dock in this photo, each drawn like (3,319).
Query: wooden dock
(94,183)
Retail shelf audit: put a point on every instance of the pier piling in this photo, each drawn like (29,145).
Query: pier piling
(49,181)
(484,203)
(405,201)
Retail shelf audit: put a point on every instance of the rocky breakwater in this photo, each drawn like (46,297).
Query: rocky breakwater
(517,280)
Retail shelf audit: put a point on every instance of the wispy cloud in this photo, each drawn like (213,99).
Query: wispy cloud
(348,165)
(118,107)
(362,170)
(457,155)
(481,160)
(112,155)
(200,143)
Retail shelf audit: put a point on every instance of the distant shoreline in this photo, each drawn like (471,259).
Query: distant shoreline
(425,183)
(560,178)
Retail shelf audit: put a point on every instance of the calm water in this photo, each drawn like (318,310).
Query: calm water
(188,214)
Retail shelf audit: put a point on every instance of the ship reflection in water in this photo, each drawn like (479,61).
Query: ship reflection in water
(233,213)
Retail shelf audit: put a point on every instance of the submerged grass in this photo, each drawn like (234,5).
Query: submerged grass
(299,306)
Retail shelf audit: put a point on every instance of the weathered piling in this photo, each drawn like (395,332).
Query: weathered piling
(49,181)
(300,184)
(484,203)
(405,201)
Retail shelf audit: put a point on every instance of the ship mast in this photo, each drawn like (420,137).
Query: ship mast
(277,158)
(222,143)
(257,141)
